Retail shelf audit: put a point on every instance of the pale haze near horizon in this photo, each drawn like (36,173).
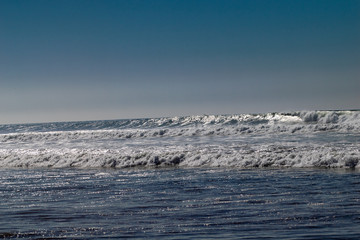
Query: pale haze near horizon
(90,60)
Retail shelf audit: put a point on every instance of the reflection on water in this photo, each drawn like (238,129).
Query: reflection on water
(180,203)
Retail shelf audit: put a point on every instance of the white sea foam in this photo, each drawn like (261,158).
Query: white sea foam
(303,122)
(215,156)
(301,139)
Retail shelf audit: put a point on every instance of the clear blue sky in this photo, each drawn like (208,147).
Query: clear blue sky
(86,60)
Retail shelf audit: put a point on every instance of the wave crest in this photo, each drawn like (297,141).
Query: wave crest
(300,139)
(301,122)
(236,156)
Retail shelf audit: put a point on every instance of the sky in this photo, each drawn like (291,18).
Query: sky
(74,60)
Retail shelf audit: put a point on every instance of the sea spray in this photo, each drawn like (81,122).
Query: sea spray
(301,139)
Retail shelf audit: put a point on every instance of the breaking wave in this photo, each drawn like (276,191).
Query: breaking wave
(211,156)
(300,122)
(299,139)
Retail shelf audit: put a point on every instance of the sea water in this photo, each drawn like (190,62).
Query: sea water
(251,176)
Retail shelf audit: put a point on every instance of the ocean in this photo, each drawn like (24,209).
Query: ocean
(246,176)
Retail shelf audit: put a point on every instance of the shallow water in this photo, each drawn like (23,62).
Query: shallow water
(180,203)
(258,176)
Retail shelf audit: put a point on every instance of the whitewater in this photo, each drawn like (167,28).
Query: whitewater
(306,139)
(246,176)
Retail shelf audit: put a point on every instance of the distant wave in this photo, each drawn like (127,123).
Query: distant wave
(348,118)
(222,125)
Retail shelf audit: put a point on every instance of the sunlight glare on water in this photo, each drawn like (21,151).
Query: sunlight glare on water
(180,203)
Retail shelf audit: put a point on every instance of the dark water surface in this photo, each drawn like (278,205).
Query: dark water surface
(197,203)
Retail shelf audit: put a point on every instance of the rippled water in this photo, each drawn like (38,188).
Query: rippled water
(271,176)
(180,203)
